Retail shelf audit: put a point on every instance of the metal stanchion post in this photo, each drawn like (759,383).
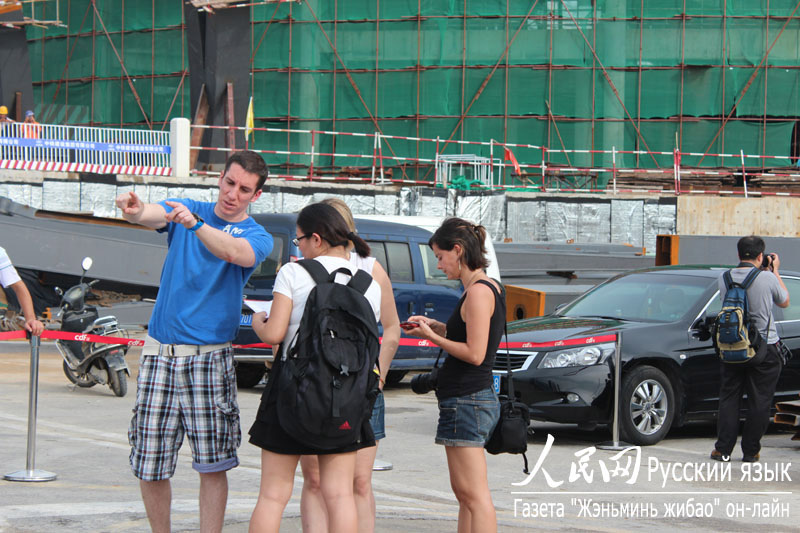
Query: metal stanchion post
(615,443)
(380,466)
(30,473)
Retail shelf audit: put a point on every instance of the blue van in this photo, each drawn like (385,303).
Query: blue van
(419,288)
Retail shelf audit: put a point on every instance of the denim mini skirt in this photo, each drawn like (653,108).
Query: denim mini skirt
(467,420)
(377,422)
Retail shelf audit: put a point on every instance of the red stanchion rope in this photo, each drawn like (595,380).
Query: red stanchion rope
(405,341)
(69,336)
(11,335)
(422,343)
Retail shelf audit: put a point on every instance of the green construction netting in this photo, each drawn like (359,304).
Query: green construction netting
(441,42)
(435,62)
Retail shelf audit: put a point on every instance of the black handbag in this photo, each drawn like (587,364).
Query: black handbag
(510,435)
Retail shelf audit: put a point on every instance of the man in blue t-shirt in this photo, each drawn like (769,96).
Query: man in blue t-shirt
(186,383)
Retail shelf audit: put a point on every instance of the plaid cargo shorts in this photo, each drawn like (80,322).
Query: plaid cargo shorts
(194,395)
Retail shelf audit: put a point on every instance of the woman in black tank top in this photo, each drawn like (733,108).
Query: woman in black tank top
(468,406)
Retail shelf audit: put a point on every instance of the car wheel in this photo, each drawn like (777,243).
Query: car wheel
(393,377)
(647,406)
(248,375)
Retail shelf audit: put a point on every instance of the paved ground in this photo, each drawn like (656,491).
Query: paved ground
(81,436)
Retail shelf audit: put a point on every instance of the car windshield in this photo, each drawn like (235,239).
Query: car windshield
(648,297)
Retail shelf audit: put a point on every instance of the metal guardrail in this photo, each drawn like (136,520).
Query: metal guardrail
(32,146)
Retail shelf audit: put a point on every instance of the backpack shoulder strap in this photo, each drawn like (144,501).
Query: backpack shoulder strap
(751,277)
(318,272)
(360,281)
(726,277)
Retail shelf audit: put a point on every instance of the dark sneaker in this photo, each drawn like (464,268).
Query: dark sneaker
(719,456)
(750,458)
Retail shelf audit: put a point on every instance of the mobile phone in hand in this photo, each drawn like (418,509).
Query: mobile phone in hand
(409,325)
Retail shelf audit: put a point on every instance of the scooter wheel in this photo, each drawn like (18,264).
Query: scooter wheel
(81,380)
(119,382)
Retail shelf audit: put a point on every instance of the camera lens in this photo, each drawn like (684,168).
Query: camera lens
(424,383)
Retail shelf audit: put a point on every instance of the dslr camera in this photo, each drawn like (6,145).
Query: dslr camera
(424,383)
(766,264)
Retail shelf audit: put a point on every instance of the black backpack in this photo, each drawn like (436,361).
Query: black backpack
(327,383)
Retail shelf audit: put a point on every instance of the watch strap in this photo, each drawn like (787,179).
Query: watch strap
(197,226)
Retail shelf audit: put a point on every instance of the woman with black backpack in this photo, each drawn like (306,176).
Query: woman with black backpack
(312,505)
(322,235)
(468,406)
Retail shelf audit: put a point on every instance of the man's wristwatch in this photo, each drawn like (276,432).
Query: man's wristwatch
(200,222)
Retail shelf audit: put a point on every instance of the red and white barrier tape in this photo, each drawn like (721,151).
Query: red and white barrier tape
(137,170)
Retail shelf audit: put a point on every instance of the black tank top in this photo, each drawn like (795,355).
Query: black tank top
(456,377)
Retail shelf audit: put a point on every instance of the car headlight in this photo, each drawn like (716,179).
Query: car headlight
(581,356)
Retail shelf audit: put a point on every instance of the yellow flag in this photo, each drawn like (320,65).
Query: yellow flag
(249,122)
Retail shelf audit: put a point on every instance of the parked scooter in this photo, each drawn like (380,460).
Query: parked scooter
(88,363)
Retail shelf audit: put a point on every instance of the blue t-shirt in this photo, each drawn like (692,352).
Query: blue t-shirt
(200,299)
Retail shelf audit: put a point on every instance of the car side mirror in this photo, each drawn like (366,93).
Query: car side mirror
(703,326)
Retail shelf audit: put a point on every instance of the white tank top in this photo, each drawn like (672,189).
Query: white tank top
(362,263)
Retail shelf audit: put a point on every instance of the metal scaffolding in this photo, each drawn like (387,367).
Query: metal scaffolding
(626,80)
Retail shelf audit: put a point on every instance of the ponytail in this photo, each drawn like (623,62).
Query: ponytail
(360,245)
(328,223)
(471,237)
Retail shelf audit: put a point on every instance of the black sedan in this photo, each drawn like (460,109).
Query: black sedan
(562,364)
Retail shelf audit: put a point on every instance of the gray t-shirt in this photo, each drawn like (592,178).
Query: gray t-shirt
(765,290)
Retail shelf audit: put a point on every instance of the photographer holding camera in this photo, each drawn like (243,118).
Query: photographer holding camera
(758,376)
(468,406)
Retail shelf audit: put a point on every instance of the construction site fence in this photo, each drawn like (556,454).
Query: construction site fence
(376,158)
(34,146)
(707,76)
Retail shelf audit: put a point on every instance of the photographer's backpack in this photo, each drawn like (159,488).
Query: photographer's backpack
(327,384)
(736,338)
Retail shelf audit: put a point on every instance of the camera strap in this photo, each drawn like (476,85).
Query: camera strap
(436,364)
(509,378)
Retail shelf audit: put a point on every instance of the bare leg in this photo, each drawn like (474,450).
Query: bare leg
(313,513)
(277,481)
(336,480)
(213,499)
(362,489)
(470,483)
(157,498)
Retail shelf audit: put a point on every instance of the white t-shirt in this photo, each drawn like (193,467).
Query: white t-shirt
(294,282)
(362,263)
(8,274)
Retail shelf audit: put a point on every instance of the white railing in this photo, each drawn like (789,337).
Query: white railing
(32,146)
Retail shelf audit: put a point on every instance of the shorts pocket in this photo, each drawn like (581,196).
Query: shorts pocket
(448,422)
(486,415)
(228,425)
(133,426)
(227,415)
